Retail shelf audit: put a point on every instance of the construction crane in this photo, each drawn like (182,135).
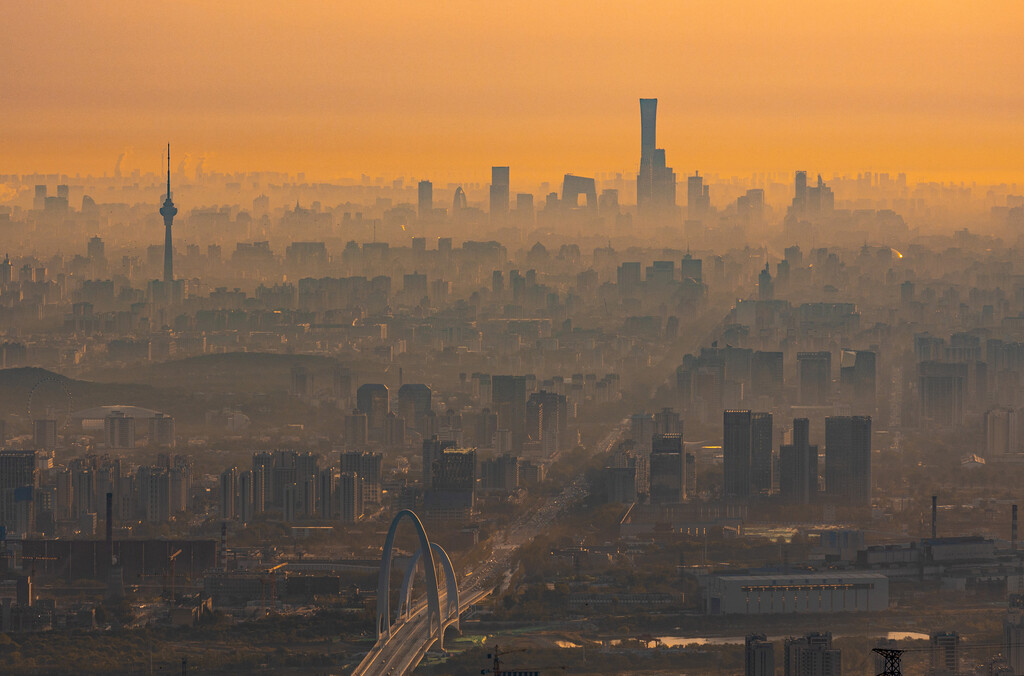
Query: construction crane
(496,656)
(271,580)
(499,653)
(172,558)
(39,558)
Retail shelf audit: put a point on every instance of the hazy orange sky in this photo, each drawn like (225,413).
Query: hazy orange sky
(446,89)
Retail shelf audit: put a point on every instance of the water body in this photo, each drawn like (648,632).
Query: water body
(696,641)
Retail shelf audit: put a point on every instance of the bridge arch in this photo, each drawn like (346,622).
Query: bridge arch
(384,581)
(450,584)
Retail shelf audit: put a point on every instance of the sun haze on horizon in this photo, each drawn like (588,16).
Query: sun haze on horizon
(405,88)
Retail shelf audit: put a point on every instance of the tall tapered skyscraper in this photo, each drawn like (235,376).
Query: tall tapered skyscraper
(168,211)
(655,183)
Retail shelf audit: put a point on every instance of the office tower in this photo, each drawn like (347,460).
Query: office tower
(641,427)
(499,194)
(524,210)
(350,496)
(327,493)
(628,278)
(736,458)
(667,421)
(655,182)
(758,656)
(372,400)
(168,211)
(356,434)
(546,421)
(508,400)
(44,434)
(39,201)
(228,493)
(857,380)
(368,466)
(750,207)
(432,449)
(698,198)
(620,484)
(161,430)
(747,453)
(848,459)
(648,127)
(500,473)
(944,654)
(766,374)
(119,430)
(96,250)
(799,206)
(414,403)
(692,268)
(668,470)
(1002,434)
(812,655)
(760,453)
(815,369)
(425,201)
(765,286)
(244,506)
(942,389)
(798,466)
(820,199)
(18,481)
(452,491)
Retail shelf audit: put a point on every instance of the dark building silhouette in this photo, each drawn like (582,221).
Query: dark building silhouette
(698,198)
(425,200)
(414,403)
(372,400)
(668,469)
(765,286)
(546,420)
(812,655)
(758,656)
(656,182)
(942,388)
(857,380)
(508,399)
(766,374)
(431,451)
(747,453)
(815,370)
(798,466)
(499,194)
(848,459)
(736,454)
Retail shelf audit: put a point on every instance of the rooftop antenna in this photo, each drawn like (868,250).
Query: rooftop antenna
(168,171)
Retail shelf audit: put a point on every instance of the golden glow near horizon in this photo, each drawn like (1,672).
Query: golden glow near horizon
(409,88)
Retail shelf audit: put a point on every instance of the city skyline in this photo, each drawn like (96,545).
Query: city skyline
(743,89)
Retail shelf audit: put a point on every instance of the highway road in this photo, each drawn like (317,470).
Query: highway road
(410,639)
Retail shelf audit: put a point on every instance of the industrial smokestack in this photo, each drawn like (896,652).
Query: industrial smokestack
(935,513)
(1013,528)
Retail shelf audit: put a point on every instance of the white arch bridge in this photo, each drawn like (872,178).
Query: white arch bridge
(401,645)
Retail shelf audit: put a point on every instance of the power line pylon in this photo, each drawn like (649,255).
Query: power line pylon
(892,661)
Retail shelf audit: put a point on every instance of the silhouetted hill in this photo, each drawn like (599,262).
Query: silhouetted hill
(239,372)
(17,384)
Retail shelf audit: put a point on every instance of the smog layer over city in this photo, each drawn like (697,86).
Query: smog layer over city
(520,338)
